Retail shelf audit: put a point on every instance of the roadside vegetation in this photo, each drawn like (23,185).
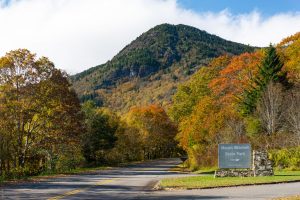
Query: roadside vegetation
(45,130)
(250,98)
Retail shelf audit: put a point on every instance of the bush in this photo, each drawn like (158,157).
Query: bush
(287,158)
(253,126)
(202,157)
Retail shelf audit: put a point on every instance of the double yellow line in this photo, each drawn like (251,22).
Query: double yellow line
(72,192)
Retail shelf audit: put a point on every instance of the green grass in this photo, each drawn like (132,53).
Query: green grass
(208,181)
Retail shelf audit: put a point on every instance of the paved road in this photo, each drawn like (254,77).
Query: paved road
(135,182)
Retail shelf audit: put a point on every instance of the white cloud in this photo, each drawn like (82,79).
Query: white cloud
(78,34)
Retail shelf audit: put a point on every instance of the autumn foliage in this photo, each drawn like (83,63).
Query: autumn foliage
(156,131)
(239,101)
(252,97)
(236,76)
(40,116)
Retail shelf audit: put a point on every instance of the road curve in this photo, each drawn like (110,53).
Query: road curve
(134,182)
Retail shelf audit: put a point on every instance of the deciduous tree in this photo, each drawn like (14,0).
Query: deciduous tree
(270,108)
(290,51)
(100,136)
(39,111)
(156,130)
(188,94)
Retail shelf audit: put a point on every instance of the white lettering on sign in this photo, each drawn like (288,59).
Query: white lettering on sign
(234,156)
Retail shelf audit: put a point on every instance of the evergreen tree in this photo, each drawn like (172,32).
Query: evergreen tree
(270,70)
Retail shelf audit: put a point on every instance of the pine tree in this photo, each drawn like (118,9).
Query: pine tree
(270,70)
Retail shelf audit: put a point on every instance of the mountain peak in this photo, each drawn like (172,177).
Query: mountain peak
(161,51)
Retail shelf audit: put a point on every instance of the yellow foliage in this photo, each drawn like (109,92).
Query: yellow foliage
(290,50)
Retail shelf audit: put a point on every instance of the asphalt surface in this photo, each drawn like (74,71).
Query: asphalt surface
(135,182)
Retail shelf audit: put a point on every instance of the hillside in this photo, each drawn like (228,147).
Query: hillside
(149,69)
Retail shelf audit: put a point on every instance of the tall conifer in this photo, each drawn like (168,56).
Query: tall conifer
(270,70)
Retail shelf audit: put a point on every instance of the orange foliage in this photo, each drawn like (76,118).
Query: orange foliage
(153,112)
(234,78)
(205,128)
(156,130)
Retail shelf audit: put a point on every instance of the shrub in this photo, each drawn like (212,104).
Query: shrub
(287,158)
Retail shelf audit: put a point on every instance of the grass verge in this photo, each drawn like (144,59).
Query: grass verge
(208,181)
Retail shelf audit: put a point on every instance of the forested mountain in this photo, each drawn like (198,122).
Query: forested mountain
(149,69)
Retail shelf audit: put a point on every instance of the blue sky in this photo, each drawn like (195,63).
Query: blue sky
(5,2)
(266,7)
(79,34)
